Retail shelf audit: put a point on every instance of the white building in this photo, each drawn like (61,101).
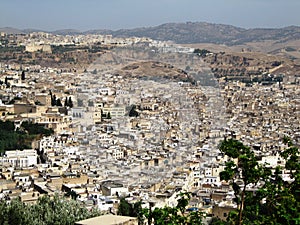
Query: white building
(17,158)
(115,153)
(114,111)
(103,202)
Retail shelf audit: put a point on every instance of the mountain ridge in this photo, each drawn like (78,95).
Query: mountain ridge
(189,32)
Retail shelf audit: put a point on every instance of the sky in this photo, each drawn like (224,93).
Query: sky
(85,15)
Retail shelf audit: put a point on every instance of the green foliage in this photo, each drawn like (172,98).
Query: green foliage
(174,215)
(124,209)
(56,211)
(58,102)
(7,126)
(133,112)
(23,75)
(11,139)
(201,52)
(166,215)
(133,210)
(183,201)
(6,82)
(61,49)
(36,129)
(162,216)
(68,102)
(55,101)
(127,209)
(12,49)
(72,194)
(276,201)
(108,115)
(233,148)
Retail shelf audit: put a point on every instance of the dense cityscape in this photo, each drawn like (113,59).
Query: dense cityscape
(130,129)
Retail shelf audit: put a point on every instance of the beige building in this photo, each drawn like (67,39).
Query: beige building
(109,220)
(97,116)
(222,211)
(115,111)
(55,120)
(43,98)
(24,108)
(35,48)
(4,109)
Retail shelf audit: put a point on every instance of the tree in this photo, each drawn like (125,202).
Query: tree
(22,137)
(58,102)
(46,211)
(6,82)
(108,115)
(66,104)
(124,208)
(17,212)
(23,75)
(201,52)
(275,201)
(174,215)
(53,100)
(72,194)
(161,216)
(36,129)
(133,210)
(133,112)
(282,198)
(246,169)
(70,102)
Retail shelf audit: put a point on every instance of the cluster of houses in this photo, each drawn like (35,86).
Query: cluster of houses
(261,115)
(140,138)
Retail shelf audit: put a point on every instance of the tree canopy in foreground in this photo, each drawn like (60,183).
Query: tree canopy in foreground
(47,211)
(275,200)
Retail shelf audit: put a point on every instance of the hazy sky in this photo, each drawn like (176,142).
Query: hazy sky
(116,14)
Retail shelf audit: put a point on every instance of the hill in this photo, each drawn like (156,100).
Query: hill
(186,32)
(192,32)
(200,32)
(11,30)
(154,70)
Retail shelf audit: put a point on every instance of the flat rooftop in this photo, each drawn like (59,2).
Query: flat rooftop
(109,220)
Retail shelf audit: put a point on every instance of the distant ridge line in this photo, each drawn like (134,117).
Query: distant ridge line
(189,32)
